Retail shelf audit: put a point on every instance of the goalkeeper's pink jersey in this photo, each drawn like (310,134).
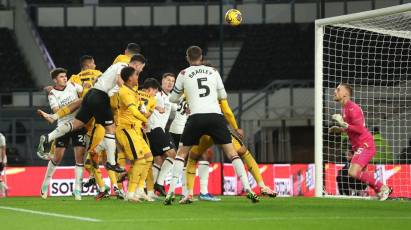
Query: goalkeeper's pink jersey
(358,134)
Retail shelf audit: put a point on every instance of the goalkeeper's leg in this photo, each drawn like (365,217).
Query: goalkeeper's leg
(358,163)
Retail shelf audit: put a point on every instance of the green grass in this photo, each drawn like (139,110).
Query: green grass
(232,213)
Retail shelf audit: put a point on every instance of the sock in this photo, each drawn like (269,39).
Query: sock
(253,168)
(60,131)
(113,177)
(203,174)
(135,174)
(150,179)
(176,172)
(121,160)
(368,178)
(62,112)
(240,172)
(191,175)
(99,179)
(165,169)
(78,175)
(109,142)
(51,168)
(184,183)
(144,173)
(156,169)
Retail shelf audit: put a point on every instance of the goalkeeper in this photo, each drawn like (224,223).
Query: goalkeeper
(353,123)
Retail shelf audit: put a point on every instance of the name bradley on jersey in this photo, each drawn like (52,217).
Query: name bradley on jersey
(197,71)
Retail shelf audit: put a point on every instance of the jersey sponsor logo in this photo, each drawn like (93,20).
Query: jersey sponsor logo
(65,187)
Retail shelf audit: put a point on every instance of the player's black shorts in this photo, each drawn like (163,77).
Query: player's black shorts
(77,139)
(96,104)
(211,124)
(160,141)
(176,139)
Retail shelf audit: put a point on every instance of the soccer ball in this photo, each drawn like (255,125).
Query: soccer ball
(233,17)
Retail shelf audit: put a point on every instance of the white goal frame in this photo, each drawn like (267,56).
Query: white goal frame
(319,28)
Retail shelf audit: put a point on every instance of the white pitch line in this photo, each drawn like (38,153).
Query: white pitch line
(50,214)
(265,218)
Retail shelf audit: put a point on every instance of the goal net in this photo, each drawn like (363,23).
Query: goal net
(370,51)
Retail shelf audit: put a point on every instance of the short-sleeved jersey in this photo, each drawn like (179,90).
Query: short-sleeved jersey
(59,98)
(147,102)
(203,87)
(122,58)
(2,140)
(86,76)
(108,79)
(177,126)
(158,119)
(127,97)
(357,132)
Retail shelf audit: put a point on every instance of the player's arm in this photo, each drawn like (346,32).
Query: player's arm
(150,107)
(228,113)
(53,103)
(178,89)
(356,126)
(130,102)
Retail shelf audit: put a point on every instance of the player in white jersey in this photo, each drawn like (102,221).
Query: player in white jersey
(61,95)
(3,163)
(161,143)
(96,104)
(179,121)
(203,87)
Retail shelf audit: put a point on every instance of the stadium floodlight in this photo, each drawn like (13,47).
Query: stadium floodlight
(371,51)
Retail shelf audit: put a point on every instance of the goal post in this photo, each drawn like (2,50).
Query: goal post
(371,51)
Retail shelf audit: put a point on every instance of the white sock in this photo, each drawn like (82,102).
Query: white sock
(177,170)
(203,174)
(51,168)
(165,169)
(240,172)
(60,131)
(156,169)
(151,193)
(184,183)
(78,175)
(109,142)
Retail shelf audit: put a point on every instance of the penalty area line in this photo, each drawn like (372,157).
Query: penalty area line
(50,214)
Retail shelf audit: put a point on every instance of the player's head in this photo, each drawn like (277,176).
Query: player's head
(87,62)
(342,92)
(194,55)
(129,76)
(151,86)
(132,49)
(138,62)
(167,82)
(59,76)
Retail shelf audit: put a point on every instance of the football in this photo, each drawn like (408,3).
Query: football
(233,17)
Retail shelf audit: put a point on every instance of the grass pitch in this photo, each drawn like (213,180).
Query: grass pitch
(232,213)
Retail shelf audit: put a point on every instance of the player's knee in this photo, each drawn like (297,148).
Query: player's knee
(111,129)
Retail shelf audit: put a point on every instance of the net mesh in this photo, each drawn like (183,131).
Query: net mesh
(373,56)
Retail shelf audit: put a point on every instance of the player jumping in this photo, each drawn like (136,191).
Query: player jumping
(352,122)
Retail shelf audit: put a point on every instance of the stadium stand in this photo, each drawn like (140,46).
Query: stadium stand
(14,71)
(283,44)
(288,47)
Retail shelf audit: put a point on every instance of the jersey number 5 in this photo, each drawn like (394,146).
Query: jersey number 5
(202,86)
